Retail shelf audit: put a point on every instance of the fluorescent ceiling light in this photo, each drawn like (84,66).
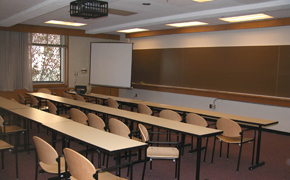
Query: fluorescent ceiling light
(251,17)
(65,23)
(132,30)
(185,24)
(202,0)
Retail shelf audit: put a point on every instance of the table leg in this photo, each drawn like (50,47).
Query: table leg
(118,162)
(258,163)
(198,157)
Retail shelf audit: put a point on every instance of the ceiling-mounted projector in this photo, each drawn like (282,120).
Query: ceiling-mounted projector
(89,8)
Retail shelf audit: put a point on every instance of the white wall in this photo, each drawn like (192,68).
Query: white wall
(250,37)
(79,57)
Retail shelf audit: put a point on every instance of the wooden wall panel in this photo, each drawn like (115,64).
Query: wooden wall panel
(260,70)
(236,69)
(283,84)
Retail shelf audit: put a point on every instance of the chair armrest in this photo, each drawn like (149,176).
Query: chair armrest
(248,129)
(129,164)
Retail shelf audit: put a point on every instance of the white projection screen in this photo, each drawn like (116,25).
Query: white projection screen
(111,64)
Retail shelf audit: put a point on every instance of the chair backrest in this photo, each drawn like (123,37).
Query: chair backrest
(66,95)
(196,119)
(78,116)
(80,98)
(34,101)
(118,127)
(230,128)
(51,107)
(96,122)
(169,114)
(79,166)
(44,90)
(21,99)
(1,122)
(144,133)
(144,109)
(112,103)
(46,153)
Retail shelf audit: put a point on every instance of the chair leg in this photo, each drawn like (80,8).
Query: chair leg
(221,146)
(36,169)
(239,157)
(16,163)
(2,157)
(150,164)
(228,150)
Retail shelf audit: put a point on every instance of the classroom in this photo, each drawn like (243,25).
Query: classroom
(237,70)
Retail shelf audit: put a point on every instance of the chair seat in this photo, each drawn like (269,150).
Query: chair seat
(4,145)
(105,176)
(233,139)
(162,152)
(12,128)
(53,168)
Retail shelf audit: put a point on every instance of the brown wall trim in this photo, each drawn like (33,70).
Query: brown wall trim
(235,26)
(269,100)
(60,31)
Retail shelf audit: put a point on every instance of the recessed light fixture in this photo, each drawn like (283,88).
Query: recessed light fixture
(201,0)
(251,17)
(132,30)
(65,23)
(185,24)
(146,4)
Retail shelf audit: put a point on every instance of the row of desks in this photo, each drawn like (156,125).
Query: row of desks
(180,127)
(210,115)
(104,141)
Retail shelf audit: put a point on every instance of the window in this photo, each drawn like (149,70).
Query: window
(47,53)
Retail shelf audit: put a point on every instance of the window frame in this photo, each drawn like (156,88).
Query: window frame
(63,62)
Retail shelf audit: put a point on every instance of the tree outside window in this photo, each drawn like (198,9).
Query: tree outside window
(47,53)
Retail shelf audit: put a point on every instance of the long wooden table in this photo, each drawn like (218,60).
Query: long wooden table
(179,127)
(209,115)
(103,141)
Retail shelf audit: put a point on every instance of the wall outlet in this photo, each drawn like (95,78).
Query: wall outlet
(212,106)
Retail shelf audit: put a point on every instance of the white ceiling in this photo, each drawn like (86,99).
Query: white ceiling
(153,17)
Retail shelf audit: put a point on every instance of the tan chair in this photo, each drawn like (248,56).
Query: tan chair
(9,129)
(81,168)
(154,152)
(24,100)
(118,127)
(44,90)
(66,95)
(4,146)
(78,116)
(47,158)
(144,109)
(112,103)
(232,134)
(35,104)
(196,119)
(171,115)
(53,110)
(80,98)
(96,122)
